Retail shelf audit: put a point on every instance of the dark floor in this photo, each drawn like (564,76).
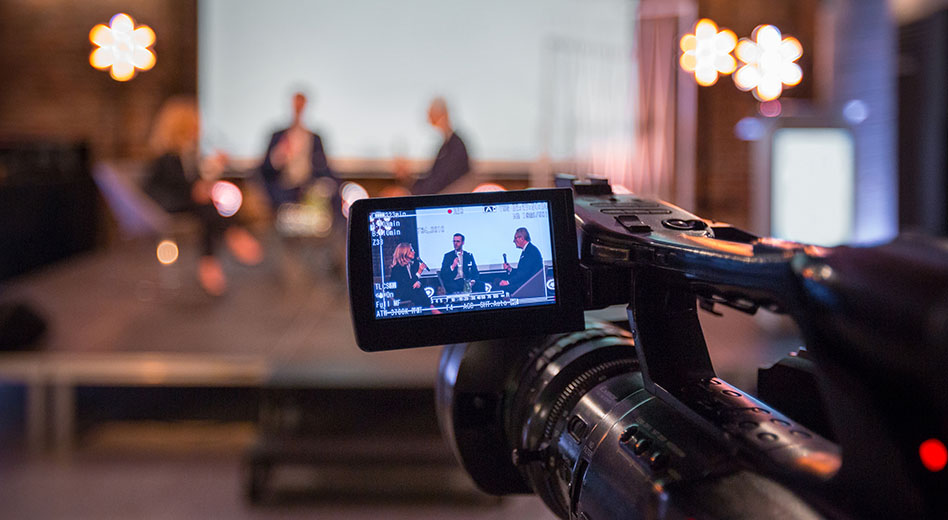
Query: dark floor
(292,311)
(146,471)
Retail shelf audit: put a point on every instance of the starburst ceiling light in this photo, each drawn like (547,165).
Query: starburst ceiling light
(122,47)
(707,52)
(768,63)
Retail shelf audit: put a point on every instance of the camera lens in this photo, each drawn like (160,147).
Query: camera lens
(534,385)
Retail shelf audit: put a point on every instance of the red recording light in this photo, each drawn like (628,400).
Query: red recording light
(449,212)
(934,455)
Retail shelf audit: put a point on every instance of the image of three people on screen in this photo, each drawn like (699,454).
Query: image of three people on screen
(459,272)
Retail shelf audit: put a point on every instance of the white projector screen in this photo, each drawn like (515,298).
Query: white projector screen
(371,67)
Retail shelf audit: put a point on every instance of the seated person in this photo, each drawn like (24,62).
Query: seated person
(406,273)
(294,159)
(177,183)
(531,261)
(449,171)
(458,269)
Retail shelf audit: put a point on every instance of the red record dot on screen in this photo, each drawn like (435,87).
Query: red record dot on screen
(449,211)
(934,455)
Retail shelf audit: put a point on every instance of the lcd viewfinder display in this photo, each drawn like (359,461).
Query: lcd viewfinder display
(455,259)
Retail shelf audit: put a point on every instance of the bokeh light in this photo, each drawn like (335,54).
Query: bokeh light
(855,111)
(227,198)
(771,108)
(933,454)
(488,186)
(351,192)
(749,129)
(768,63)
(122,48)
(707,52)
(312,220)
(167,252)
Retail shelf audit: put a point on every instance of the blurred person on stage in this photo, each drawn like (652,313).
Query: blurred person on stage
(294,160)
(180,182)
(450,169)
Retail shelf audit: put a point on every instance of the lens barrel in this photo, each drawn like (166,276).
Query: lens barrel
(567,417)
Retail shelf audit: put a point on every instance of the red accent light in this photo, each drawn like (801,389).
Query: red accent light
(934,455)
(449,211)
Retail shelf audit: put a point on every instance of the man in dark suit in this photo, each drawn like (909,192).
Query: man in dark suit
(458,269)
(294,158)
(531,261)
(449,171)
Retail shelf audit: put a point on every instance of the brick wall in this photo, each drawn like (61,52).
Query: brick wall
(48,89)
(723,161)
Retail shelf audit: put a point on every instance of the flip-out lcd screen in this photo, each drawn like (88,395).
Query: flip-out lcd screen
(461,258)
(438,269)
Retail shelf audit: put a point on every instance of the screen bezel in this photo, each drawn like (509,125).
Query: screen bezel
(374,334)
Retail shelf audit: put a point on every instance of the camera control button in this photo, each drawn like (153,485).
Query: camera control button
(622,210)
(629,433)
(633,224)
(577,428)
(684,225)
(767,437)
(608,253)
(657,459)
(642,445)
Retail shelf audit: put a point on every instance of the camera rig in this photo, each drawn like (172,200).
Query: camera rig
(613,423)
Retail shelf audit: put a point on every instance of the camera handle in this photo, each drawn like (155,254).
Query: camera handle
(676,368)
(669,342)
(876,322)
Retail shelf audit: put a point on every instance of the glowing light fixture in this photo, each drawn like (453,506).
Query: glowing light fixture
(121,47)
(768,63)
(167,252)
(707,52)
(227,198)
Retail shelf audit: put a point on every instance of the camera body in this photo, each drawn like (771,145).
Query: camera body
(605,422)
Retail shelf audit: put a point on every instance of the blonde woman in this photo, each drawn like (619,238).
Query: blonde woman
(406,273)
(175,182)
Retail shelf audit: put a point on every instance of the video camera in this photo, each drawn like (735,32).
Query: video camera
(631,421)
